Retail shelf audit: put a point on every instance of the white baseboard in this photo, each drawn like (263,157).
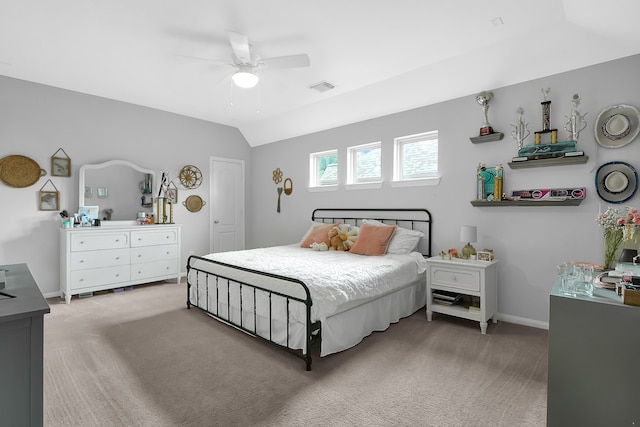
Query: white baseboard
(51,294)
(523,321)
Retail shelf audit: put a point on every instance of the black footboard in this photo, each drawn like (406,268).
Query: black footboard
(204,277)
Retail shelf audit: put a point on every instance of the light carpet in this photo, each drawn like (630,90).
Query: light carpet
(141,358)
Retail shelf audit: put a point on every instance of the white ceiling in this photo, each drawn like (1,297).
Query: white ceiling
(383,56)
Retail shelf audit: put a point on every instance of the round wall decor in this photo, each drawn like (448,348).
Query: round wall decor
(194,203)
(190,176)
(20,171)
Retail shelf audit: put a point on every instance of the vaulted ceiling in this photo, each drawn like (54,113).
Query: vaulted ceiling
(382,56)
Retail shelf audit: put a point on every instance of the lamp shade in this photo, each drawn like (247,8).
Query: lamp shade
(468,233)
(245,77)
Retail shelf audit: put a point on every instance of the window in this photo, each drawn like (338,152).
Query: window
(323,169)
(365,164)
(416,157)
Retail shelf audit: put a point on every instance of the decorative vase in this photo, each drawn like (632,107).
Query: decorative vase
(613,238)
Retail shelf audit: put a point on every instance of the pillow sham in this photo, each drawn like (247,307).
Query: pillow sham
(317,233)
(403,242)
(373,240)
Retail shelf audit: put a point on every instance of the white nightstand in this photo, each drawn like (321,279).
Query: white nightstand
(465,277)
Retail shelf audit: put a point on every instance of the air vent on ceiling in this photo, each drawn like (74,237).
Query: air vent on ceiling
(322,86)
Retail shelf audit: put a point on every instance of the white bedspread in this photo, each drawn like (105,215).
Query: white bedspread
(334,278)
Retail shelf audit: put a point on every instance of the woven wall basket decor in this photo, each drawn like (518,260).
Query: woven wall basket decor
(20,171)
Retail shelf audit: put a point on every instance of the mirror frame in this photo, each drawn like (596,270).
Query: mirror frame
(81,183)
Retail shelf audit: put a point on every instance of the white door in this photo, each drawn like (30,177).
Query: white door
(227,204)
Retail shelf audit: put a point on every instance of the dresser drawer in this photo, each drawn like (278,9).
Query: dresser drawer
(92,242)
(96,259)
(153,237)
(154,269)
(153,253)
(463,279)
(99,276)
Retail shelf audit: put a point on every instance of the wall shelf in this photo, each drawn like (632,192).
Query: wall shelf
(496,136)
(557,161)
(502,203)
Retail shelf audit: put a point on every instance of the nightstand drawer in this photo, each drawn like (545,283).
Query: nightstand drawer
(468,280)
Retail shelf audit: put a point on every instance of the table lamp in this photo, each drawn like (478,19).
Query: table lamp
(469,234)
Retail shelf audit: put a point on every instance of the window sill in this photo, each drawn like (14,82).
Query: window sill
(367,186)
(416,182)
(320,189)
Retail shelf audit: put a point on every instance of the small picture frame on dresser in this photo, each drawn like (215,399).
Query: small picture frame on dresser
(484,256)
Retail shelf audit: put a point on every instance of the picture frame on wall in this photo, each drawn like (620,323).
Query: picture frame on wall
(49,200)
(103,193)
(60,166)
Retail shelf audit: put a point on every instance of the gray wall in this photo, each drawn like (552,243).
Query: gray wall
(36,120)
(528,241)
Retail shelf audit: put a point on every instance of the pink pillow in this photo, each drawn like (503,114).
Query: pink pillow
(318,234)
(373,240)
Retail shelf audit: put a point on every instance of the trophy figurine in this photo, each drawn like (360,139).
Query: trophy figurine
(520,131)
(484,99)
(576,123)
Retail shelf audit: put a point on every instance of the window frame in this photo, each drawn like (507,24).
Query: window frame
(352,165)
(398,160)
(314,171)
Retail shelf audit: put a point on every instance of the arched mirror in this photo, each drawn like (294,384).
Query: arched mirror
(120,189)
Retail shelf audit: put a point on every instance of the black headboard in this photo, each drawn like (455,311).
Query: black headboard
(412,219)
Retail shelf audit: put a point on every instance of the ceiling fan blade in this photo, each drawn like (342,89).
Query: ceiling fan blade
(290,61)
(240,45)
(200,58)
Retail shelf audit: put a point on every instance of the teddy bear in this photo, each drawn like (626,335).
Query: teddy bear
(342,237)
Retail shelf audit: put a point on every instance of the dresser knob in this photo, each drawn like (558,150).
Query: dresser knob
(117,275)
(81,261)
(139,255)
(117,258)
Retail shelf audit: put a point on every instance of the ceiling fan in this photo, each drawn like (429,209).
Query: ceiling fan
(248,63)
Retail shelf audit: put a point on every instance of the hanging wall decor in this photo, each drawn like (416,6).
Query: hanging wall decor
(194,203)
(20,171)
(60,166)
(288,186)
(172,192)
(190,176)
(49,200)
(277,179)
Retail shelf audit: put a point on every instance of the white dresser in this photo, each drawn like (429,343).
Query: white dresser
(98,258)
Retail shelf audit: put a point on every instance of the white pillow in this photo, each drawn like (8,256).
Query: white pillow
(404,241)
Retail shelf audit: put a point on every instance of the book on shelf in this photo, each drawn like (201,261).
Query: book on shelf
(574,154)
(474,308)
(446,297)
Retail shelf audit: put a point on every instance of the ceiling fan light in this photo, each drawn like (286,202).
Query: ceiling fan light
(245,79)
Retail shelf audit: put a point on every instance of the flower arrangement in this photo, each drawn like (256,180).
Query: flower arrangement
(613,234)
(618,226)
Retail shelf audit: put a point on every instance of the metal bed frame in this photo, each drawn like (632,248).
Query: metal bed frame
(408,218)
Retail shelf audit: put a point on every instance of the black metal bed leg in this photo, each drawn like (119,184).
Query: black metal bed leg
(188,290)
(307,360)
